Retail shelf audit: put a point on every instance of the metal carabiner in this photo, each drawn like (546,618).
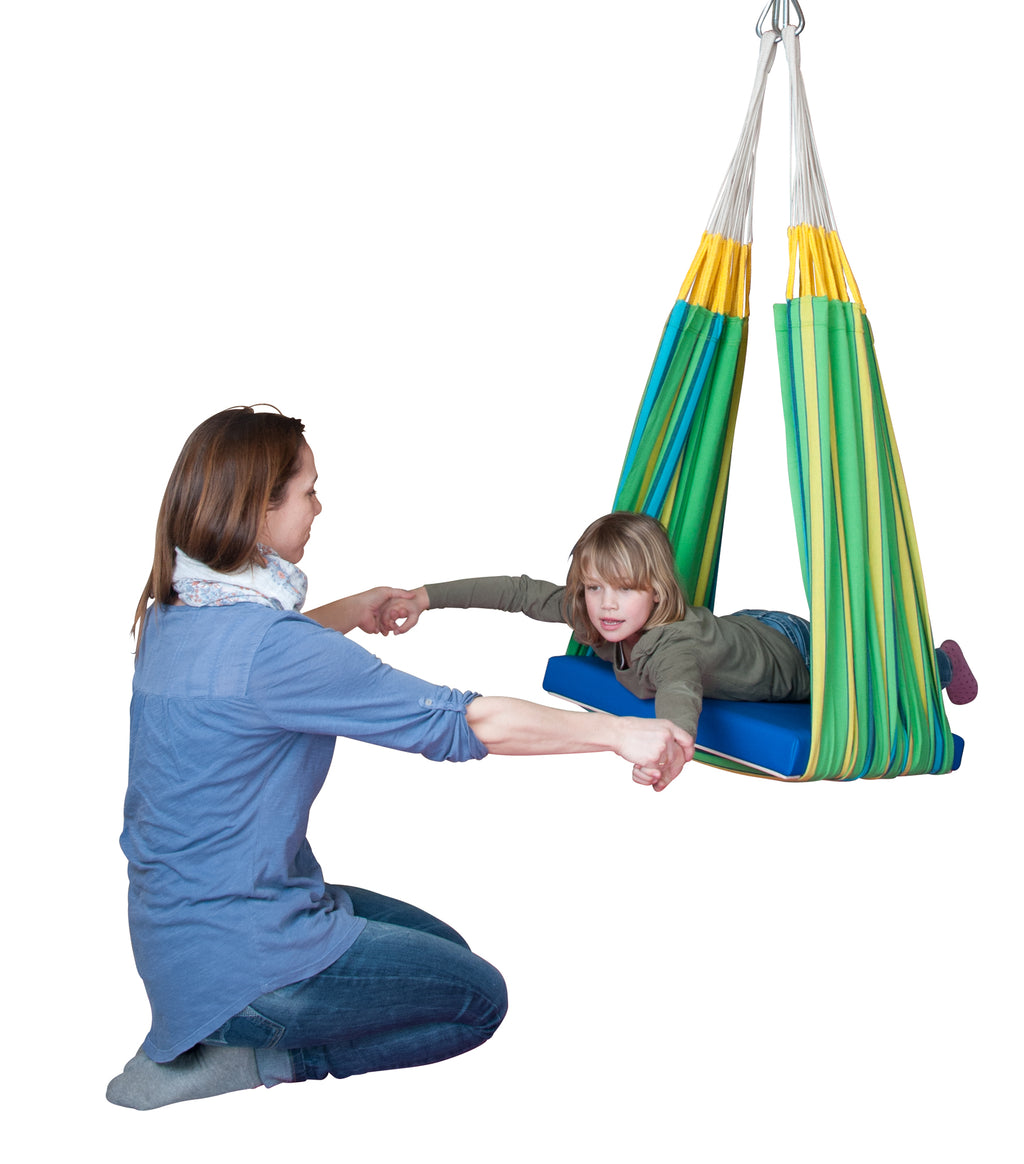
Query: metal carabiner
(779,10)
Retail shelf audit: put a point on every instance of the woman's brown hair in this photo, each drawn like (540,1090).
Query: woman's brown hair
(231,470)
(629,550)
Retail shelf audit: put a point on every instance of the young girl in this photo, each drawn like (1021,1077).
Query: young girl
(623,598)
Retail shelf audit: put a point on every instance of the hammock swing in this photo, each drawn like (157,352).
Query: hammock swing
(876,704)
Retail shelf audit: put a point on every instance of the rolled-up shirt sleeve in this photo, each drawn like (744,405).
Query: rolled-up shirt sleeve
(305,678)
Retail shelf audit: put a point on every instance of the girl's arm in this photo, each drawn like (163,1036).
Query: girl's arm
(668,660)
(512,727)
(521,595)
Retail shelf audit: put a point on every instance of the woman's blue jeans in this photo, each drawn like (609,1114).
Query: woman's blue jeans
(409,991)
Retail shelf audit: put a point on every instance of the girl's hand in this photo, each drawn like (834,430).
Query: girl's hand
(659,772)
(402,612)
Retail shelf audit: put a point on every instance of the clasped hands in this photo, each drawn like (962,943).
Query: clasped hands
(379,611)
(657,748)
(402,611)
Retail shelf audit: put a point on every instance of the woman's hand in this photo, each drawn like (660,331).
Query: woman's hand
(403,612)
(360,610)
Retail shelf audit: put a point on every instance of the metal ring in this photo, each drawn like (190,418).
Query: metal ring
(779,8)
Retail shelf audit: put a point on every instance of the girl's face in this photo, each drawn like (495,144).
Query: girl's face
(286,527)
(619,613)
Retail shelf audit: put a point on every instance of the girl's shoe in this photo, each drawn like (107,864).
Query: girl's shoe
(963,687)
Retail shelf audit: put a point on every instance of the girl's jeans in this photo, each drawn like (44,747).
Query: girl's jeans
(798,631)
(795,628)
(408,991)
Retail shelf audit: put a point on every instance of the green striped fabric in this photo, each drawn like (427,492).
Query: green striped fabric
(876,704)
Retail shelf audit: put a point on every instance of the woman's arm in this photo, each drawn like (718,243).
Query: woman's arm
(512,727)
(358,610)
(308,681)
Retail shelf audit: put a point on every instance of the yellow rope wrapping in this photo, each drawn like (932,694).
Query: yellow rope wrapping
(719,276)
(818,265)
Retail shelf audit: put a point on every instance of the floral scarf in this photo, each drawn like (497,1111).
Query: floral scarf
(278,584)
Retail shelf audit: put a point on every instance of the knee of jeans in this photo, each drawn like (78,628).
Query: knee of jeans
(497,995)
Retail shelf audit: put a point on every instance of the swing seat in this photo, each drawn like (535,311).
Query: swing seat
(772,738)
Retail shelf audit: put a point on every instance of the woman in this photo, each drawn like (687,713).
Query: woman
(257,970)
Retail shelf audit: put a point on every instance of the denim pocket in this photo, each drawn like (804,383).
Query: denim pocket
(248,1028)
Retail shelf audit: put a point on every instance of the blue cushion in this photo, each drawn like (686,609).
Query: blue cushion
(775,737)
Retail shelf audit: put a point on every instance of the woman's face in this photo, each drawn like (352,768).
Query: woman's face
(286,527)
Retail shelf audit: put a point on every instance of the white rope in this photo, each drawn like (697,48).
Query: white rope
(808,194)
(732,216)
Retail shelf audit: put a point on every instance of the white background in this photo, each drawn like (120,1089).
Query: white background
(446,235)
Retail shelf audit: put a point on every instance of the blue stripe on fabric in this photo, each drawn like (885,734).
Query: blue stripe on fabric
(669,460)
(666,350)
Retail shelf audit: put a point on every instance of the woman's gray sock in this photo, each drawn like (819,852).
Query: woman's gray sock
(196,1074)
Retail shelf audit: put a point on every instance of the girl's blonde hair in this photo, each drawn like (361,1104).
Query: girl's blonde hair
(626,549)
(233,468)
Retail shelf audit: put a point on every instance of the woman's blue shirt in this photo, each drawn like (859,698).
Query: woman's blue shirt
(234,715)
